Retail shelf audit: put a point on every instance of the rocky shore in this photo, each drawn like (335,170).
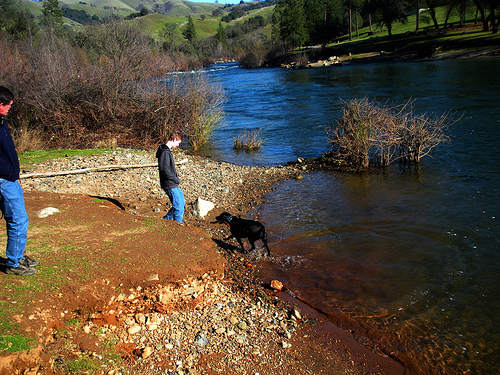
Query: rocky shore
(234,188)
(229,323)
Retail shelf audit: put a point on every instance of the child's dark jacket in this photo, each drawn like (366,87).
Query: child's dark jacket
(166,166)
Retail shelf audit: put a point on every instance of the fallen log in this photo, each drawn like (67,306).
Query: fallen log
(95,169)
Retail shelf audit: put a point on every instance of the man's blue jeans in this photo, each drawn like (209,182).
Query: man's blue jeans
(176,197)
(14,212)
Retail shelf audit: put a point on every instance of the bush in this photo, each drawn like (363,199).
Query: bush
(370,133)
(105,90)
(248,141)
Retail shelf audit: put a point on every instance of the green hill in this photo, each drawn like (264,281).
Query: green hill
(104,8)
(160,13)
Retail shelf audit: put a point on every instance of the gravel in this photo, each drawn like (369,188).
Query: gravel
(234,188)
(196,326)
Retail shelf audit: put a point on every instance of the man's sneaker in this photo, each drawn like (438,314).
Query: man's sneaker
(29,262)
(20,270)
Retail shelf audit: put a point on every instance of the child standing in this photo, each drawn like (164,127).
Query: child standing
(169,180)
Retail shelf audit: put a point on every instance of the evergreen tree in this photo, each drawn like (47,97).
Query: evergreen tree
(190,32)
(220,35)
(52,14)
(324,20)
(289,23)
(390,11)
(16,22)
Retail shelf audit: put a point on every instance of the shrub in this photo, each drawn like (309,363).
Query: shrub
(104,90)
(371,133)
(248,141)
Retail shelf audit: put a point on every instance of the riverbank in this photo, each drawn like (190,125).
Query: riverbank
(458,43)
(169,298)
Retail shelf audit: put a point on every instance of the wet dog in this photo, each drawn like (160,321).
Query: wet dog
(242,228)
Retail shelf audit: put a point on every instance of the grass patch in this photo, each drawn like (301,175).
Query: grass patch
(81,365)
(35,157)
(10,340)
(18,292)
(14,343)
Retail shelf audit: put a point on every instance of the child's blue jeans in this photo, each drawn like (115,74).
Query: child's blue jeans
(176,197)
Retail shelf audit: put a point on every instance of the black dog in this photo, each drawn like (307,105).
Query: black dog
(242,228)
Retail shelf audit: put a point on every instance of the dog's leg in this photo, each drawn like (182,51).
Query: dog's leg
(267,247)
(252,242)
(241,244)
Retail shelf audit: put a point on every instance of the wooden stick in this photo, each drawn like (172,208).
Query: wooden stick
(95,169)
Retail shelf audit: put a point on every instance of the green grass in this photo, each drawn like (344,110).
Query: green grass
(35,157)
(15,343)
(11,340)
(403,28)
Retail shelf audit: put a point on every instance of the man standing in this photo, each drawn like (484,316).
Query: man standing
(11,197)
(169,180)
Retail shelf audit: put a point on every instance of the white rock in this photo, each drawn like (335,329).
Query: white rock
(134,329)
(153,277)
(140,318)
(46,212)
(202,208)
(147,351)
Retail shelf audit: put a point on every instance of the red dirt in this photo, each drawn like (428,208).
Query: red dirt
(94,251)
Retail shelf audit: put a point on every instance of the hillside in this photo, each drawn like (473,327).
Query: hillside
(105,8)
(161,12)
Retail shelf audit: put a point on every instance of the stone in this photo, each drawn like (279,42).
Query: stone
(146,352)
(202,208)
(276,285)
(136,328)
(140,318)
(201,339)
(47,212)
(296,314)
(192,290)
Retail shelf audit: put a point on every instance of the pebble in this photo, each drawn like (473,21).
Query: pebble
(180,325)
(184,336)
(213,181)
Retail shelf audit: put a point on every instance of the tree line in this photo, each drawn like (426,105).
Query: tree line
(298,23)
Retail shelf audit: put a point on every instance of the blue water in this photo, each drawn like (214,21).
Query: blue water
(410,253)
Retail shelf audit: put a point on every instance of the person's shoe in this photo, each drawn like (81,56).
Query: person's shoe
(20,270)
(29,262)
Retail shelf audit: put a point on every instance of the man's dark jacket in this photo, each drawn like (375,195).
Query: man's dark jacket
(9,162)
(168,174)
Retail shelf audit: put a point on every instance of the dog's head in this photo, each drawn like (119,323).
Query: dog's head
(223,218)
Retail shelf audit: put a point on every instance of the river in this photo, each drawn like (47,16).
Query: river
(411,254)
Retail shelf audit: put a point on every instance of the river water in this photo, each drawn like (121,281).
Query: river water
(407,257)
